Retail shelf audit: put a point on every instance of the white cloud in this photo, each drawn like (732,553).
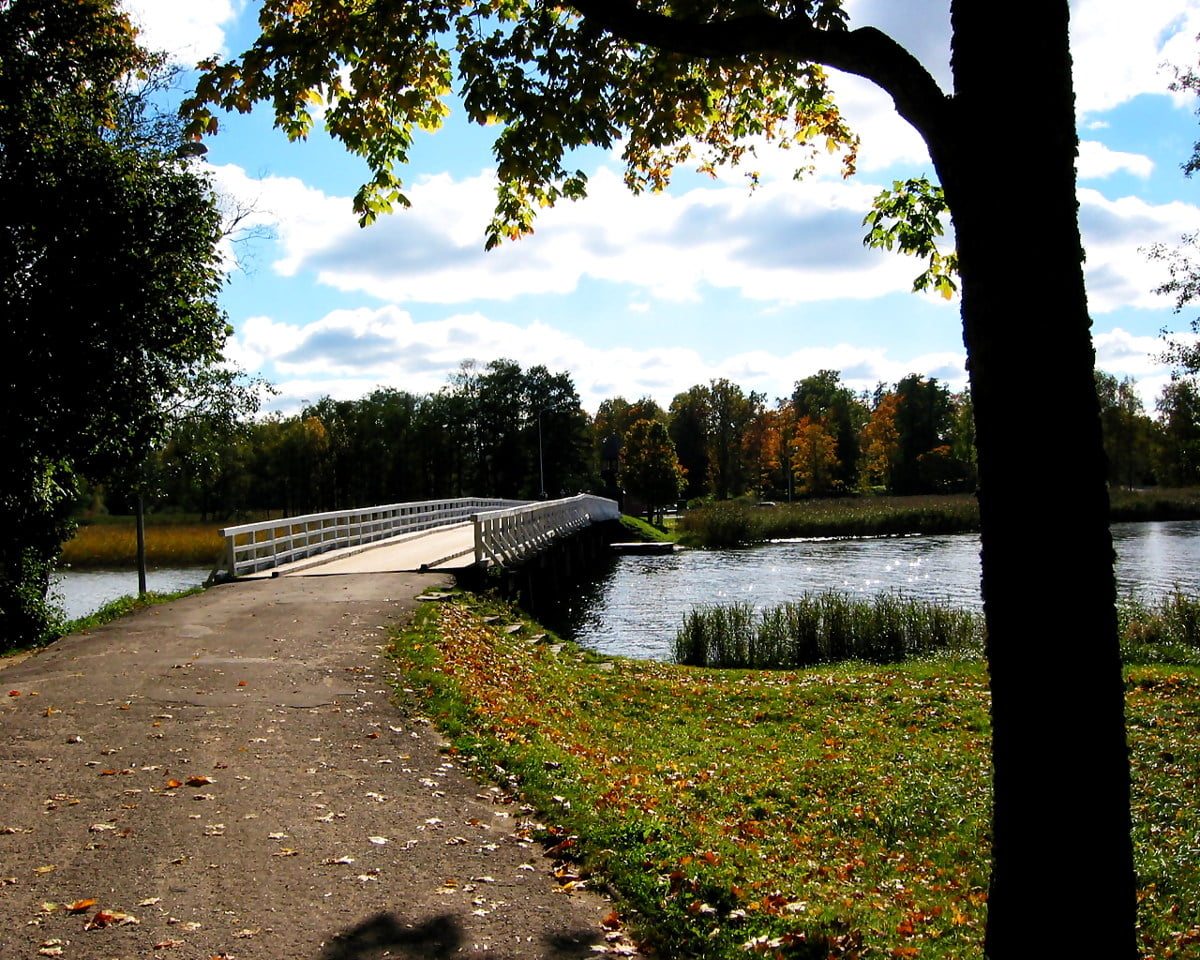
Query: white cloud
(188,29)
(1115,232)
(1096,160)
(1118,52)
(786,242)
(347,353)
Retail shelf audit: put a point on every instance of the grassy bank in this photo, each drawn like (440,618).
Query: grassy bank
(834,811)
(734,522)
(113,543)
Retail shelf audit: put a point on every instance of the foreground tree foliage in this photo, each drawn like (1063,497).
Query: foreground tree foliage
(701,80)
(108,274)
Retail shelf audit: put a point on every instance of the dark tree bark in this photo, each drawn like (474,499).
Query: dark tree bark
(1004,146)
(1062,867)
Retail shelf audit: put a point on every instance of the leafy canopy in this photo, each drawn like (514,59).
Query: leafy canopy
(552,80)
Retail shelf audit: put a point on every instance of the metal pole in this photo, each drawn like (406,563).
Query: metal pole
(141,544)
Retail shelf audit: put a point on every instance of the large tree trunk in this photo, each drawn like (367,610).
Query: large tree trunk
(1063,879)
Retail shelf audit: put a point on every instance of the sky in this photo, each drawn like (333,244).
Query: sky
(650,295)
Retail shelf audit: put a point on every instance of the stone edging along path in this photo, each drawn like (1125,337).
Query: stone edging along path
(226,776)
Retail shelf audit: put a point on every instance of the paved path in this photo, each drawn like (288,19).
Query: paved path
(229,770)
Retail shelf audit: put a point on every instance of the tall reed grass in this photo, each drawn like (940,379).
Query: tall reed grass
(831,627)
(167,545)
(733,522)
(1163,631)
(826,627)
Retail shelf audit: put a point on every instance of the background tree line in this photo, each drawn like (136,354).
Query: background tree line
(479,435)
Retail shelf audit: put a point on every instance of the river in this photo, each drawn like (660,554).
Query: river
(80,592)
(638,603)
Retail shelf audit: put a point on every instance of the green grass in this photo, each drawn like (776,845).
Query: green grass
(639,529)
(833,811)
(121,607)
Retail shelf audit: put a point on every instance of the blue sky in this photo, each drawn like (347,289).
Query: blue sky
(646,296)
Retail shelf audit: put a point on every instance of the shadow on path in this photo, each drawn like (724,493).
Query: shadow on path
(440,937)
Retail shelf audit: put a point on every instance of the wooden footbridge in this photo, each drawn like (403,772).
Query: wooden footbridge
(447,535)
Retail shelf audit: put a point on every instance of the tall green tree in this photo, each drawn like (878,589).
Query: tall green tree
(689,421)
(730,413)
(1128,432)
(668,81)
(108,279)
(650,470)
(923,418)
(824,399)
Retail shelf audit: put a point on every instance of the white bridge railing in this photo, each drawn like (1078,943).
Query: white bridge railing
(507,536)
(259,546)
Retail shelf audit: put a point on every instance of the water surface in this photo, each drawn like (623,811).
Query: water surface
(637,604)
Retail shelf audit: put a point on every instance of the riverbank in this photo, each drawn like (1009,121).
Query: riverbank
(843,808)
(734,522)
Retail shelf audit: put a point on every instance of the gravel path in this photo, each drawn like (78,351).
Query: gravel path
(226,776)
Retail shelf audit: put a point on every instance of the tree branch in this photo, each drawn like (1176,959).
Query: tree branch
(865,52)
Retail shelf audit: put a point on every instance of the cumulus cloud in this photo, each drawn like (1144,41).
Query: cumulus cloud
(1118,56)
(1115,235)
(349,352)
(786,242)
(1096,160)
(188,30)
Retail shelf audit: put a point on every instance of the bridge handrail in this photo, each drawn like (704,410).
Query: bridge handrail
(251,547)
(509,535)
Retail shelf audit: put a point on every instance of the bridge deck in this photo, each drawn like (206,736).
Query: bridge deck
(446,548)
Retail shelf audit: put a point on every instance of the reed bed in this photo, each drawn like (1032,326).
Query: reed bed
(1166,630)
(823,628)
(167,545)
(831,627)
(733,522)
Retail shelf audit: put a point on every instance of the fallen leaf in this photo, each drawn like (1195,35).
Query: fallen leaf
(80,905)
(46,869)
(101,827)
(198,781)
(110,918)
(379,841)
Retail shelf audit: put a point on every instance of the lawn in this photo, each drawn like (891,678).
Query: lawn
(835,811)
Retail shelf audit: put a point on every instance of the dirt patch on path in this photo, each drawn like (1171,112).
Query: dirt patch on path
(229,771)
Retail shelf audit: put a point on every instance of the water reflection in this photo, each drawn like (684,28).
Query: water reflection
(637,603)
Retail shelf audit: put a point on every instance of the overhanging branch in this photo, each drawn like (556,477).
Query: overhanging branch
(866,52)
